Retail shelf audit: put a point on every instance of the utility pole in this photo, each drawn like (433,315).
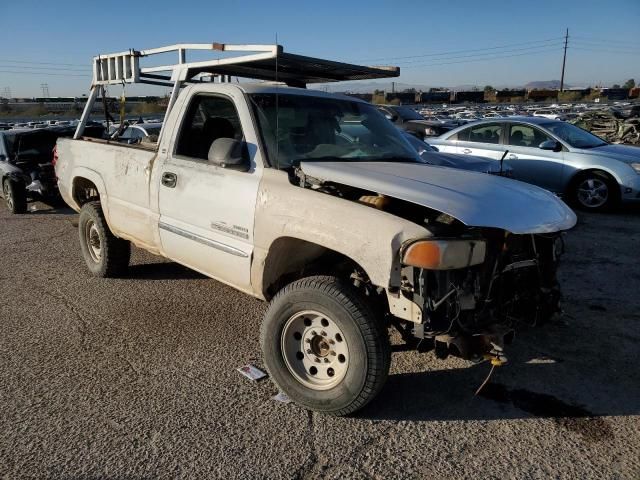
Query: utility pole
(45,89)
(564,60)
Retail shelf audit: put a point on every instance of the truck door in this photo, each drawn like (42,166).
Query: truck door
(207,212)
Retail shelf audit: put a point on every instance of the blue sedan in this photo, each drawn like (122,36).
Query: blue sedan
(589,172)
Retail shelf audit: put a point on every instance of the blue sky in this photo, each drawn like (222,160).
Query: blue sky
(450,43)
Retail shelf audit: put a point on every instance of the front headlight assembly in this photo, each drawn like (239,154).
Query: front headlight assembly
(444,254)
(636,166)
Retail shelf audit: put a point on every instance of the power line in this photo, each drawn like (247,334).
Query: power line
(482,59)
(44,63)
(476,55)
(45,73)
(615,48)
(592,39)
(28,67)
(464,51)
(599,50)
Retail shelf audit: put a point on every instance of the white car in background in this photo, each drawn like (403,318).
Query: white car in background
(550,114)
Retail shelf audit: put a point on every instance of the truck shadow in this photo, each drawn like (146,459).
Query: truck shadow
(575,394)
(163,271)
(442,396)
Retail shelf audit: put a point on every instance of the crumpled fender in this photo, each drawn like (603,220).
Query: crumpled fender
(370,237)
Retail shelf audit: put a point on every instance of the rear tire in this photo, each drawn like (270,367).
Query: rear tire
(15,196)
(324,346)
(106,255)
(594,191)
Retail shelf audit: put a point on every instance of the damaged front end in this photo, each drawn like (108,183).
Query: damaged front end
(486,265)
(474,291)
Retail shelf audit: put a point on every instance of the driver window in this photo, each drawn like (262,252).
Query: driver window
(208,118)
(526,136)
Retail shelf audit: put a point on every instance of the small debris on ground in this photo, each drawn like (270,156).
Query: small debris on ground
(541,361)
(281,397)
(251,372)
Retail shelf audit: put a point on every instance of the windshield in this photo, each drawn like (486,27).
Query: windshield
(407,113)
(316,128)
(574,136)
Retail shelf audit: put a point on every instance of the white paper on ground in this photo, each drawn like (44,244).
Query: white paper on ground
(251,372)
(281,397)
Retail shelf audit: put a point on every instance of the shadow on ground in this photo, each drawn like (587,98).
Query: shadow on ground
(575,394)
(163,271)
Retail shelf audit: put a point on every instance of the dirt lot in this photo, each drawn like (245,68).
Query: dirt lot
(135,378)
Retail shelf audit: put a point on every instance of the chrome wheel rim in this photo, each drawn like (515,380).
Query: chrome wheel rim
(7,195)
(315,350)
(593,193)
(92,238)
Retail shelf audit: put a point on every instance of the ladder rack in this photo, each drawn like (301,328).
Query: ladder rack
(260,62)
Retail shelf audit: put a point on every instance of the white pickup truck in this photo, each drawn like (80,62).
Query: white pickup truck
(257,186)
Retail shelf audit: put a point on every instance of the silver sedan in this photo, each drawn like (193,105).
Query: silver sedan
(586,170)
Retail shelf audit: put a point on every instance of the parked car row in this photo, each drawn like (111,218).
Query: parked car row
(565,111)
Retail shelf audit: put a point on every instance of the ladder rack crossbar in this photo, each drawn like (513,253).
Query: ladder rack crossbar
(254,61)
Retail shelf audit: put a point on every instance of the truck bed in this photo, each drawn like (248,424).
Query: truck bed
(121,174)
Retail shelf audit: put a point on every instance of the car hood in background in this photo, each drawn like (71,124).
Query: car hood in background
(475,199)
(464,162)
(623,153)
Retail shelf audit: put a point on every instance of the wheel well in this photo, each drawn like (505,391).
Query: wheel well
(582,173)
(290,259)
(84,191)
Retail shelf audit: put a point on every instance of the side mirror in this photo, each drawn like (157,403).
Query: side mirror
(391,118)
(550,145)
(229,153)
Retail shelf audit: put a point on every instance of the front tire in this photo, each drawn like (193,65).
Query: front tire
(324,347)
(15,196)
(594,191)
(106,255)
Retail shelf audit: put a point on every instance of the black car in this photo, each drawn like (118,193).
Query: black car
(407,119)
(632,111)
(26,168)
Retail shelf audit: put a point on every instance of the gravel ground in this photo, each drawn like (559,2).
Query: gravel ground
(135,378)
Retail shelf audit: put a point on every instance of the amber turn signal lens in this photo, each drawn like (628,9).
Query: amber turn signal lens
(445,254)
(424,255)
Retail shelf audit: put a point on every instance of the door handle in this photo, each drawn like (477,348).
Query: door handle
(466,150)
(513,156)
(169,179)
